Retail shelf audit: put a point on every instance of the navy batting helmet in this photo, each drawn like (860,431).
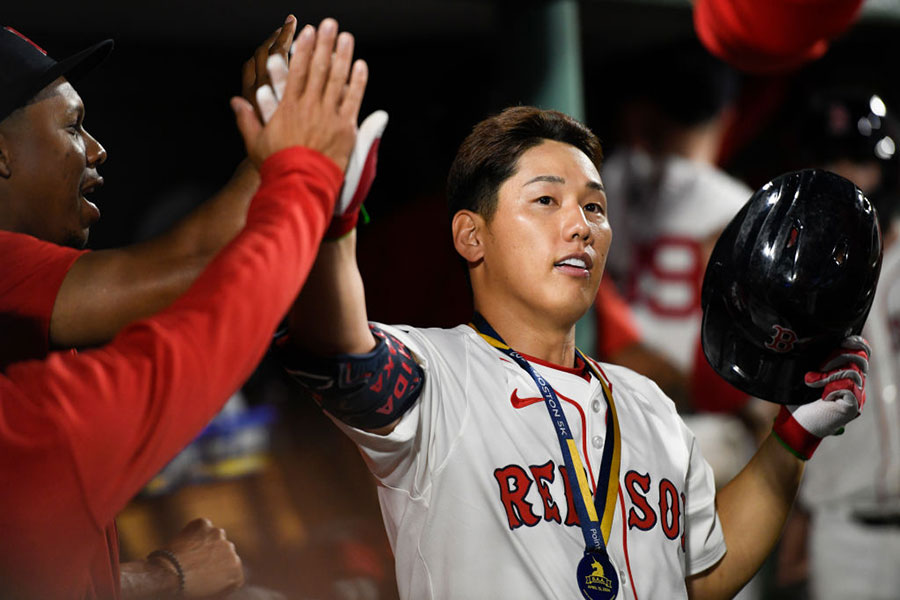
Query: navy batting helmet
(792,275)
(837,124)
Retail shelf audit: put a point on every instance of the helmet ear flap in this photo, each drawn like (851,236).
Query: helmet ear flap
(792,275)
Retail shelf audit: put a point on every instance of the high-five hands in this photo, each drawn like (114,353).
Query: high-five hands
(255,73)
(320,101)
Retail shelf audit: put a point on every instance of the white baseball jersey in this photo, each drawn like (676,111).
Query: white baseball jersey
(859,471)
(856,477)
(474,495)
(661,213)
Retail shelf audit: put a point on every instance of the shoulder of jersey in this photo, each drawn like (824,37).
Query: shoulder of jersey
(446,342)
(708,179)
(634,388)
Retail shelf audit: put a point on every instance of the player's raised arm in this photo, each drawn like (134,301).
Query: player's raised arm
(754,506)
(351,368)
(95,426)
(329,347)
(139,280)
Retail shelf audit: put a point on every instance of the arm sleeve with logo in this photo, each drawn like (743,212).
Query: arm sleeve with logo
(80,434)
(424,435)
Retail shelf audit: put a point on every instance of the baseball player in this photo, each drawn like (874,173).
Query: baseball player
(82,432)
(851,507)
(510,465)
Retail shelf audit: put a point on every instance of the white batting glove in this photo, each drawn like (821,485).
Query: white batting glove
(359,175)
(360,171)
(842,380)
(268,96)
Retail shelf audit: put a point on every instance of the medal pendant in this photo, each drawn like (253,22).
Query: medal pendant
(597,578)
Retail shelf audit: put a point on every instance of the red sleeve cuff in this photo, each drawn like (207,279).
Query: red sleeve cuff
(791,434)
(303,159)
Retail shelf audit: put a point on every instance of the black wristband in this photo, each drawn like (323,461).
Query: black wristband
(170,557)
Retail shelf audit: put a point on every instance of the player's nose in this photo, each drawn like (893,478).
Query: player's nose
(575,224)
(96,153)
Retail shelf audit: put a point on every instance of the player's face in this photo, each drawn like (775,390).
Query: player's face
(52,165)
(548,239)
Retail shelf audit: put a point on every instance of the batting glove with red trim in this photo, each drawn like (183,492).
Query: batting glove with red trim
(360,171)
(842,380)
(359,175)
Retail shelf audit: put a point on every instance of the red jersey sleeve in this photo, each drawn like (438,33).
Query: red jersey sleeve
(616,328)
(709,391)
(80,435)
(33,271)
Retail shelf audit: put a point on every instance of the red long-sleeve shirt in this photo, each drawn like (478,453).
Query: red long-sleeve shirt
(80,434)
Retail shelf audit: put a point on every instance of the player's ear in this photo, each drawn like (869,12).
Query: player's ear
(468,227)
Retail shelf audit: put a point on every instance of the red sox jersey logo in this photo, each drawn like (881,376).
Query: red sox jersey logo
(652,504)
(783,339)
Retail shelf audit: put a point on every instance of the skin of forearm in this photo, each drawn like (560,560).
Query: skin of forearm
(329,316)
(752,508)
(215,223)
(106,290)
(146,580)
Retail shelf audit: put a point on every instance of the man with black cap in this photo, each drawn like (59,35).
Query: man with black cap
(48,165)
(55,165)
(81,433)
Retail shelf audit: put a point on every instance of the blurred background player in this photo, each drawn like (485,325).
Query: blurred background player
(668,203)
(844,538)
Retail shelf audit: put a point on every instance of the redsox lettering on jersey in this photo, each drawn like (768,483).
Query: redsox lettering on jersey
(526,493)
(475,494)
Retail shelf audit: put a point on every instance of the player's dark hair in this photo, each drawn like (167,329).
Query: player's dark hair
(489,155)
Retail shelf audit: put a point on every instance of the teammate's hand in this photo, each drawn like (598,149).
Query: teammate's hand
(255,73)
(209,560)
(842,380)
(320,106)
(359,176)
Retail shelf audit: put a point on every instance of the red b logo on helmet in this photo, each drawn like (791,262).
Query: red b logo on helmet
(782,339)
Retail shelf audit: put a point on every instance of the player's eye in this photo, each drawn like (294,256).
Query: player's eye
(594,207)
(545,200)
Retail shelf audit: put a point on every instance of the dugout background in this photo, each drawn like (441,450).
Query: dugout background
(160,107)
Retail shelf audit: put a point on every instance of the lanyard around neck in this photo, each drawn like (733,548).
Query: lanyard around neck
(596,531)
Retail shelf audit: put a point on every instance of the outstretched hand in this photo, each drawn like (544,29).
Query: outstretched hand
(321,99)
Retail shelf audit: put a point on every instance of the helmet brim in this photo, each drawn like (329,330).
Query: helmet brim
(759,372)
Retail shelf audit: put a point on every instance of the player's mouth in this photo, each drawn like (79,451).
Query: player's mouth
(89,186)
(575,265)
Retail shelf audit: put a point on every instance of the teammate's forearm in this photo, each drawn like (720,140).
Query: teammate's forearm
(329,317)
(215,222)
(145,278)
(753,508)
(145,580)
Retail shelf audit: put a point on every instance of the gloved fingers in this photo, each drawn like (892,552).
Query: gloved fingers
(361,167)
(857,342)
(849,397)
(266,101)
(858,358)
(816,380)
(278,74)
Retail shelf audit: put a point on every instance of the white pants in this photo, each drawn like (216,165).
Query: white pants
(851,560)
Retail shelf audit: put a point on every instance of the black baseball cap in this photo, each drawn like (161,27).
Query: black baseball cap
(27,69)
